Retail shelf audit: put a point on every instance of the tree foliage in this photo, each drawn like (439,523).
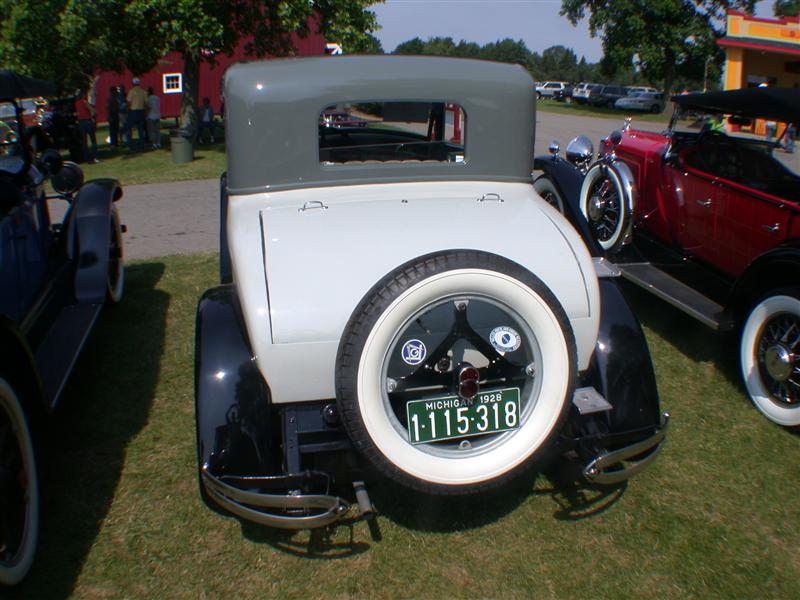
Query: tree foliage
(786,8)
(665,39)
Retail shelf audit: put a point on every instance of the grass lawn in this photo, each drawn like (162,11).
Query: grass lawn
(715,517)
(585,110)
(155,166)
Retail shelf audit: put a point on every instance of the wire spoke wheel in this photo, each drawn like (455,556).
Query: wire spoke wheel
(604,204)
(778,357)
(769,351)
(605,209)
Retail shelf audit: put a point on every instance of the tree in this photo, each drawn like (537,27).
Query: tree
(663,39)
(558,63)
(412,46)
(786,8)
(66,40)
(506,50)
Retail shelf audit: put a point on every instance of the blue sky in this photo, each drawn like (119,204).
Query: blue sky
(536,22)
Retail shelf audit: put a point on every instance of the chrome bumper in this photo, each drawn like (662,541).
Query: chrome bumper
(597,470)
(300,511)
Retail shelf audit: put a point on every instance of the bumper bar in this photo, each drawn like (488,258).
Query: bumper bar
(310,510)
(597,470)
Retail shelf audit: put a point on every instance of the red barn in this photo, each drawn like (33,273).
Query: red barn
(166,78)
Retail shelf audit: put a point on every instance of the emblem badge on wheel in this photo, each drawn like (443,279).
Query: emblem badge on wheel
(505,339)
(414,352)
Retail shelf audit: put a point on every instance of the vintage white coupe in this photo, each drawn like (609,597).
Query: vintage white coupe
(394,294)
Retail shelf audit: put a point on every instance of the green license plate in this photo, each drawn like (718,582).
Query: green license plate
(453,417)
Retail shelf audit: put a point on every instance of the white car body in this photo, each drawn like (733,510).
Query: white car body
(644,101)
(316,264)
(549,88)
(581,91)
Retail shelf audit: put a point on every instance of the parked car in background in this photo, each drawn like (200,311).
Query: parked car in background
(54,279)
(549,88)
(366,317)
(709,221)
(642,101)
(640,89)
(606,95)
(564,94)
(580,93)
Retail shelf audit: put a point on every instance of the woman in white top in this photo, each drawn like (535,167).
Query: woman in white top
(153,118)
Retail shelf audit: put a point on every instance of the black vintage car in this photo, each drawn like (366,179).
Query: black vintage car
(54,279)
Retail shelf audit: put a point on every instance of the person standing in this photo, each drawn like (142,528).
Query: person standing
(153,118)
(206,121)
(137,102)
(85,113)
(124,134)
(112,108)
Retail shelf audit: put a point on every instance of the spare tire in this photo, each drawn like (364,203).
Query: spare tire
(455,372)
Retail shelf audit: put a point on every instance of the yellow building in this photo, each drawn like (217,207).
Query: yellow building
(761,51)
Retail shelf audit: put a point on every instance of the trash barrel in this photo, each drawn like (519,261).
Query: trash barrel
(180,141)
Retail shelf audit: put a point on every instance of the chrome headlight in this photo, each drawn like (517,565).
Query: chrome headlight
(580,152)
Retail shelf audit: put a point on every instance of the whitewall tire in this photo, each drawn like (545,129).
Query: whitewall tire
(115,281)
(19,490)
(603,203)
(458,310)
(547,190)
(770,356)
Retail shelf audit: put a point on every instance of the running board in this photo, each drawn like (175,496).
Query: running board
(678,294)
(59,350)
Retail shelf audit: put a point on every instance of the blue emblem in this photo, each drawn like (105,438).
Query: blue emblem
(504,339)
(414,352)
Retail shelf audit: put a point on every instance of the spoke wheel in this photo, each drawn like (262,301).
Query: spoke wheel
(770,356)
(452,329)
(19,493)
(604,206)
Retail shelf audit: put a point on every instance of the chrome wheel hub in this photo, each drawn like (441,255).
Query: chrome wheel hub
(597,206)
(779,362)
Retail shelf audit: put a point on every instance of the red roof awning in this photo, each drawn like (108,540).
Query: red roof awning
(762,45)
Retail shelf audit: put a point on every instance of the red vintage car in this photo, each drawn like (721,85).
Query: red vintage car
(707,217)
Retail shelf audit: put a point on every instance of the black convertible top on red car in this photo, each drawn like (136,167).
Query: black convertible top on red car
(779,104)
(14,85)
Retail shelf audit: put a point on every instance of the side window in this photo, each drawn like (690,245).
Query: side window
(392,132)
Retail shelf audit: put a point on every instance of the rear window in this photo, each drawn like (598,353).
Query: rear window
(392,132)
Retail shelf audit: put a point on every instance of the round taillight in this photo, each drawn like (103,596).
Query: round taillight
(468,386)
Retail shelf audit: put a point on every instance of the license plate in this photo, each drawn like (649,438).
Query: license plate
(453,417)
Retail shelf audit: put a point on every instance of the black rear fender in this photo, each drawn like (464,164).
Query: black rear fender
(231,397)
(90,229)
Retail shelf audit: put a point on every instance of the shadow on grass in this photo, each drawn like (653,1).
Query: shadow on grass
(690,337)
(443,514)
(105,404)
(319,544)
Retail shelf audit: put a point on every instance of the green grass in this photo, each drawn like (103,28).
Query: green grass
(155,166)
(715,517)
(585,110)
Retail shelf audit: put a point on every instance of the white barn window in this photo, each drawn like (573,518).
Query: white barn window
(173,83)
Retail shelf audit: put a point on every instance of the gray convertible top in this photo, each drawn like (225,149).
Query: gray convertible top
(273,110)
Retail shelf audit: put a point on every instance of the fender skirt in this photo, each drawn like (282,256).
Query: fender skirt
(616,416)
(91,219)
(243,467)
